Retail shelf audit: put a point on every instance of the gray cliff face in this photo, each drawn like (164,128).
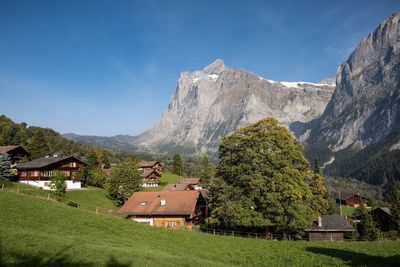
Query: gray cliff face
(365,107)
(211,103)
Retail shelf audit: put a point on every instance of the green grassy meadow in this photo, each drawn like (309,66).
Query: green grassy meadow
(36,232)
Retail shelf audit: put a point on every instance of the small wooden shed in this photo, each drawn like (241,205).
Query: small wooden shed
(329,227)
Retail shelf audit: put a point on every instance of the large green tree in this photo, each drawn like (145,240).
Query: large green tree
(124,180)
(263,180)
(366,227)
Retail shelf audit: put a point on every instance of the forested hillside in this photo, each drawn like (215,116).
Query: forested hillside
(40,142)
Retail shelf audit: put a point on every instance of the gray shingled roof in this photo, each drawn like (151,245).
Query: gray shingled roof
(333,223)
(44,162)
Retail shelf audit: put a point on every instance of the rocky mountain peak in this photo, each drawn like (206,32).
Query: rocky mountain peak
(216,67)
(213,102)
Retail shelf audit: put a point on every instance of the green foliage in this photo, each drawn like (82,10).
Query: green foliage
(366,228)
(97,178)
(58,184)
(38,146)
(5,166)
(109,241)
(203,168)
(177,167)
(124,180)
(264,180)
(395,206)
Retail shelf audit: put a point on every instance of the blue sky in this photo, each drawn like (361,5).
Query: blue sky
(110,67)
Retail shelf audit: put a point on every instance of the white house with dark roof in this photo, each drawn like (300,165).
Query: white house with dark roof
(38,172)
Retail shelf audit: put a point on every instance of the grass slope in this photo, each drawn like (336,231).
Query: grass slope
(35,232)
(89,197)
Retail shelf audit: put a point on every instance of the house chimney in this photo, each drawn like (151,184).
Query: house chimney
(163,202)
(319,221)
(55,156)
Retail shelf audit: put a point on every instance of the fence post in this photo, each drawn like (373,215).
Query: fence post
(18,190)
(97,210)
(2,187)
(233,233)
(214,231)
(79,205)
(48,196)
(256,235)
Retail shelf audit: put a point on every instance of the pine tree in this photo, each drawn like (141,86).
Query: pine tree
(394,201)
(5,166)
(320,202)
(366,228)
(38,146)
(177,164)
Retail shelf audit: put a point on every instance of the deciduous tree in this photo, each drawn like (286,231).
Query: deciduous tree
(58,184)
(267,179)
(124,180)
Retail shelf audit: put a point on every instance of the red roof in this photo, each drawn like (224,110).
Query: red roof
(149,203)
(144,164)
(147,173)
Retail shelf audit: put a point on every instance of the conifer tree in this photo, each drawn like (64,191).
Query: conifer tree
(38,146)
(366,228)
(177,167)
(5,166)
(394,201)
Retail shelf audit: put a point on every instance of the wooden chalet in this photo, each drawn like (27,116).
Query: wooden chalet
(150,165)
(178,187)
(151,178)
(383,218)
(329,227)
(196,183)
(16,153)
(351,200)
(170,209)
(38,172)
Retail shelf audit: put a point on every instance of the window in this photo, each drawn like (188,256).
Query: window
(171,224)
(72,164)
(23,174)
(144,203)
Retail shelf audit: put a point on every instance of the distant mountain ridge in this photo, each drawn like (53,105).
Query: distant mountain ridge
(359,131)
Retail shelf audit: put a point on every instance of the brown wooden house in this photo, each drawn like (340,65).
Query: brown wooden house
(329,227)
(170,209)
(351,200)
(16,153)
(38,172)
(151,178)
(150,165)
(383,218)
(178,187)
(196,183)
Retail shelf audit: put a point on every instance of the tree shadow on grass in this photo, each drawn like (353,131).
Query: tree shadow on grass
(42,260)
(357,259)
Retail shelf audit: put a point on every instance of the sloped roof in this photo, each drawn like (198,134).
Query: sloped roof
(143,163)
(345,196)
(44,162)
(204,193)
(149,203)
(384,209)
(190,180)
(333,223)
(7,149)
(176,187)
(147,173)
